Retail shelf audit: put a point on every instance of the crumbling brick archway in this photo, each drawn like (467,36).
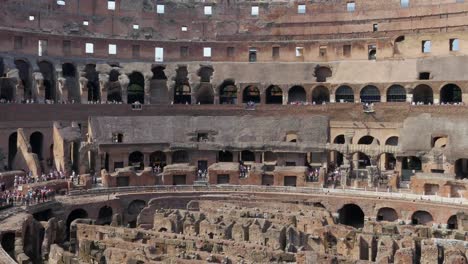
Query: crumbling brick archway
(421,218)
(351,215)
(387,214)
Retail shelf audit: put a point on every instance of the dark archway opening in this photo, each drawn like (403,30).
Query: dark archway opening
(461,168)
(320,95)
(180,156)
(105,215)
(450,94)
(48,73)
(340,139)
(36,141)
(25,76)
(93,83)
(396,93)
(12,149)
(135,207)
(136,160)
(8,243)
(367,140)
(71,82)
(228,92)
(158,158)
(387,214)
(75,214)
(344,94)
(452,222)
(247,155)
(421,218)
(370,94)
(114,90)
(43,215)
(136,88)
(351,215)
(296,94)
(274,95)
(225,156)
(322,73)
(182,90)
(423,94)
(251,94)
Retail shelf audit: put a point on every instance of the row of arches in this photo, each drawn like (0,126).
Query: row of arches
(353,215)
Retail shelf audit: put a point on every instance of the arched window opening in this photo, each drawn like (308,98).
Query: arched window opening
(75,214)
(36,139)
(450,94)
(225,156)
(351,215)
(105,215)
(12,149)
(274,95)
(182,90)
(247,156)
(362,161)
(94,93)
(423,94)
(320,95)
(421,218)
(344,94)
(136,88)
(340,139)
(25,77)
(48,73)
(368,140)
(396,93)
(251,94)
(296,94)
(370,94)
(158,159)
(135,159)
(387,214)
(180,156)
(392,141)
(228,92)
(452,222)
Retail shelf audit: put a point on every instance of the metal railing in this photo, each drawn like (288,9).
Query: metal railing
(276,189)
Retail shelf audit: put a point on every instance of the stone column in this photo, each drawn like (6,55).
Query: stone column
(124,81)
(38,89)
(83,90)
(62,90)
(103,83)
(148,76)
(17,83)
(146,159)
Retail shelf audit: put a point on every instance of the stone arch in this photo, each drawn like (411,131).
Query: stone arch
(351,215)
(71,82)
(247,155)
(452,222)
(136,88)
(421,218)
(339,139)
(158,158)
(251,94)
(180,156)
(396,93)
(8,243)
(73,215)
(48,73)
(12,149)
(423,94)
(136,160)
(368,140)
(228,92)
(105,215)
(362,160)
(225,156)
(135,207)
(94,93)
(450,93)
(36,141)
(344,94)
(387,214)
(320,95)
(392,141)
(322,73)
(274,95)
(182,89)
(370,94)
(114,90)
(24,70)
(296,93)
